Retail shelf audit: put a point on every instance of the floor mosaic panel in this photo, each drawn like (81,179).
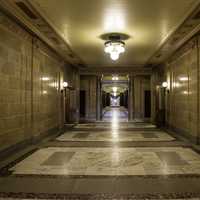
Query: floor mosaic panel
(110,161)
(115,136)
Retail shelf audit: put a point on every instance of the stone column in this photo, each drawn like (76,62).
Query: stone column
(130,98)
(99,99)
(153,99)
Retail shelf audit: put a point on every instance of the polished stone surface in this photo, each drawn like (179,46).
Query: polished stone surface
(115,136)
(110,161)
(119,113)
(113,125)
(115,163)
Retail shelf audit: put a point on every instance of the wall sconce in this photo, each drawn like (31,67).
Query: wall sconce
(164,84)
(65,84)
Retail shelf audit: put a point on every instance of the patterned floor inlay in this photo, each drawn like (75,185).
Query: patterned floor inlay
(115,136)
(110,161)
(123,161)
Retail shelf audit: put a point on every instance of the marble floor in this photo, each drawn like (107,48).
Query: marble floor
(110,161)
(114,125)
(116,160)
(116,136)
(119,113)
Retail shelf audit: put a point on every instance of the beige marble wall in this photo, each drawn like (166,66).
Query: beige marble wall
(89,84)
(139,85)
(74,96)
(15,83)
(182,100)
(47,77)
(31,77)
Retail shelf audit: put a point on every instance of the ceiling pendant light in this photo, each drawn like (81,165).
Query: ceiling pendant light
(114,48)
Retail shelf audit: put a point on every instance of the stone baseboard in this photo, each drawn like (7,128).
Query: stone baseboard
(31,141)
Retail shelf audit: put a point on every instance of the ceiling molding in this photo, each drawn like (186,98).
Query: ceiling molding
(180,36)
(116,70)
(29,17)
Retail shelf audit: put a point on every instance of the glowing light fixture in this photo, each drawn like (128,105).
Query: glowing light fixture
(114,89)
(45,78)
(114,48)
(65,84)
(184,78)
(164,84)
(115,78)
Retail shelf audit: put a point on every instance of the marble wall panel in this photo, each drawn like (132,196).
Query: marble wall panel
(182,95)
(31,77)
(89,84)
(140,84)
(15,90)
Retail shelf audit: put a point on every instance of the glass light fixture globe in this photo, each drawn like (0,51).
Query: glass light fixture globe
(108,48)
(114,48)
(65,84)
(164,84)
(114,56)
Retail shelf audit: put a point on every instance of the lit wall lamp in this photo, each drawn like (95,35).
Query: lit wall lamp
(164,84)
(65,84)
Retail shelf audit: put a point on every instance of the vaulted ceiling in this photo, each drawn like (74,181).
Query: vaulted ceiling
(81,23)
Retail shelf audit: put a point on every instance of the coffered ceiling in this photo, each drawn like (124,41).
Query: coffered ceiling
(81,23)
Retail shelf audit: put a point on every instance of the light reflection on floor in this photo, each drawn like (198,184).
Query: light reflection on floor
(115,114)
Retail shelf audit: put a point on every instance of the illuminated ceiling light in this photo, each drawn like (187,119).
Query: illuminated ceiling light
(45,78)
(65,84)
(114,89)
(114,48)
(164,84)
(184,78)
(115,78)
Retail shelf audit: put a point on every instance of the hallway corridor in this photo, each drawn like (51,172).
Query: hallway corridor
(102,161)
(99,99)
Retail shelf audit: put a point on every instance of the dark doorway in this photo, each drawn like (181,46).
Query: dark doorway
(82,103)
(107,99)
(147,103)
